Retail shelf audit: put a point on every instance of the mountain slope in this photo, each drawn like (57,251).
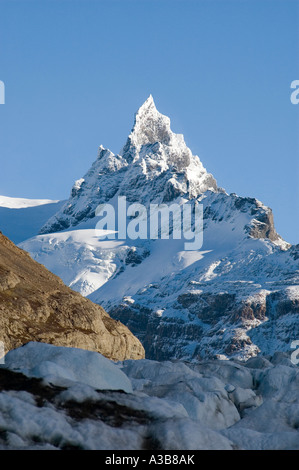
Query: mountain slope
(21,219)
(236,296)
(36,305)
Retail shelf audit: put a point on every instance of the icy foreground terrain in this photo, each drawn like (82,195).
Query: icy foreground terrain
(63,398)
(236,296)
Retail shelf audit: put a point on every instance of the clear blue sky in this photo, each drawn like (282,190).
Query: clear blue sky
(76,71)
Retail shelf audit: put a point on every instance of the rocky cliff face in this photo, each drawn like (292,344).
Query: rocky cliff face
(236,296)
(35,305)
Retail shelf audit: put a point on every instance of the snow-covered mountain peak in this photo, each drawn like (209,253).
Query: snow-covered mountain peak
(155,165)
(161,159)
(152,140)
(150,126)
(147,107)
(236,296)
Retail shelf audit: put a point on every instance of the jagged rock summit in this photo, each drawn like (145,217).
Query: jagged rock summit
(35,305)
(150,127)
(154,166)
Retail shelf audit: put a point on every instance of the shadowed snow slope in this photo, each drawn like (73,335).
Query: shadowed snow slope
(63,366)
(22,218)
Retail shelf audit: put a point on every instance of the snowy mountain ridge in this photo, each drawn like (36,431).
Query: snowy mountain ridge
(236,296)
(155,165)
(21,203)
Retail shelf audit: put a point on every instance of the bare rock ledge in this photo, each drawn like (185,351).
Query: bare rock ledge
(35,305)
